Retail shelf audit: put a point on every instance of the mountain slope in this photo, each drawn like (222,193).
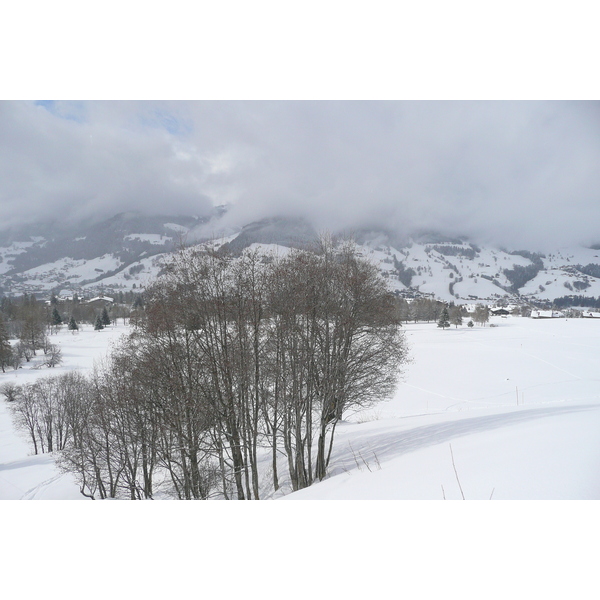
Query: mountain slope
(75,257)
(126,252)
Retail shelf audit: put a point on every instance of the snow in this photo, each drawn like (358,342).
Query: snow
(519,455)
(518,404)
(125,280)
(5,266)
(436,269)
(550,284)
(105,298)
(67,269)
(457,402)
(515,409)
(476,286)
(451,278)
(24,475)
(216,241)
(274,250)
(8,253)
(152,238)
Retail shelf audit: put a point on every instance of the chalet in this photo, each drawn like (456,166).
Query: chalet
(60,299)
(499,311)
(547,314)
(588,314)
(100,301)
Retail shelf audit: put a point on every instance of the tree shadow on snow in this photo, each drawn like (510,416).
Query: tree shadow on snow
(371,448)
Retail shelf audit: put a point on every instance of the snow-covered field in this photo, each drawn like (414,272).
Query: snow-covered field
(515,409)
(504,412)
(22,474)
(460,392)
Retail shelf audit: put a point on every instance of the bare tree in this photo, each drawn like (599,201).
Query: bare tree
(27,415)
(53,356)
(10,390)
(32,329)
(481,314)
(235,355)
(456,316)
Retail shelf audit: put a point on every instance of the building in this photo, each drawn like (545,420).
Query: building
(547,314)
(100,302)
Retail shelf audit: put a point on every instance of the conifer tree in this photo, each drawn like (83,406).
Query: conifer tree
(444,320)
(99,325)
(105,318)
(73,325)
(56,318)
(6,353)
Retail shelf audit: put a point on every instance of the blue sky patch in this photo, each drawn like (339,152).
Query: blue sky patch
(72,110)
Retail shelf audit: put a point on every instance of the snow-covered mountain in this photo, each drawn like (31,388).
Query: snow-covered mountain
(126,252)
(112,254)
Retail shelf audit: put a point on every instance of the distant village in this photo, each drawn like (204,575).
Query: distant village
(495,308)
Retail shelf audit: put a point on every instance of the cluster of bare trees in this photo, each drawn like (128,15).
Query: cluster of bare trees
(48,410)
(30,321)
(236,378)
(31,330)
(481,314)
(428,310)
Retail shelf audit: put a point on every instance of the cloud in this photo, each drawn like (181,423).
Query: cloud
(515,173)
(519,173)
(67,161)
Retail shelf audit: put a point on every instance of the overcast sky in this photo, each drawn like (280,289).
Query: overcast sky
(523,173)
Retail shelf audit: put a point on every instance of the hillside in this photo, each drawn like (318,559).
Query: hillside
(126,252)
(74,258)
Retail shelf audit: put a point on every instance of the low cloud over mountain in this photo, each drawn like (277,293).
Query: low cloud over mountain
(523,174)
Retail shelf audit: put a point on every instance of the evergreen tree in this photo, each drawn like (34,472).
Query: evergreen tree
(99,325)
(56,318)
(6,353)
(444,320)
(105,318)
(456,316)
(73,325)
(470,324)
